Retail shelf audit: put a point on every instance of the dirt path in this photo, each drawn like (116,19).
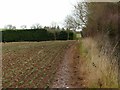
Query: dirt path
(68,75)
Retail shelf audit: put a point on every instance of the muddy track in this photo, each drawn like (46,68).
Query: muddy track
(68,75)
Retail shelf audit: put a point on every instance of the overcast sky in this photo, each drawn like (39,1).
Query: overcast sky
(29,12)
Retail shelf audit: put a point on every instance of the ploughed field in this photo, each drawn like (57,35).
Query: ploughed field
(31,64)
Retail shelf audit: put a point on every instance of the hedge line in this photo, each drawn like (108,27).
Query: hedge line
(34,35)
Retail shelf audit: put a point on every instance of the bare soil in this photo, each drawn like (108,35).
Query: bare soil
(69,75)
(40,65)
(34,65)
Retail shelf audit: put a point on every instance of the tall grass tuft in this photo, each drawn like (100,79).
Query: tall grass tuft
(101,63)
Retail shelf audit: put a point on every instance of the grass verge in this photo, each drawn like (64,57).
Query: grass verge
(100,71)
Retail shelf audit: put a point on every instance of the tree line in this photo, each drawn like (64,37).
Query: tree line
(36,35)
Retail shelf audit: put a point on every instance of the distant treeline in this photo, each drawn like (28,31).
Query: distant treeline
(35,35)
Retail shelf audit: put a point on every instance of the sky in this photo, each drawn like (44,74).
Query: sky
(29,12)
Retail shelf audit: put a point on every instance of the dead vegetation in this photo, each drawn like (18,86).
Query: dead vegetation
(99,65)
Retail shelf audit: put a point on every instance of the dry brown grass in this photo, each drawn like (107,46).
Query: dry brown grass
(101,71)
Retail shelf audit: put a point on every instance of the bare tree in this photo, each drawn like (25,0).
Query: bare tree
(53,25)
(10,27)
(70,23)
(79,17)
(36,26)
(23,26)
(80,14)
(13,27)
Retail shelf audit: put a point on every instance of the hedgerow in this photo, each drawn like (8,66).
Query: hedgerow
(35,35)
